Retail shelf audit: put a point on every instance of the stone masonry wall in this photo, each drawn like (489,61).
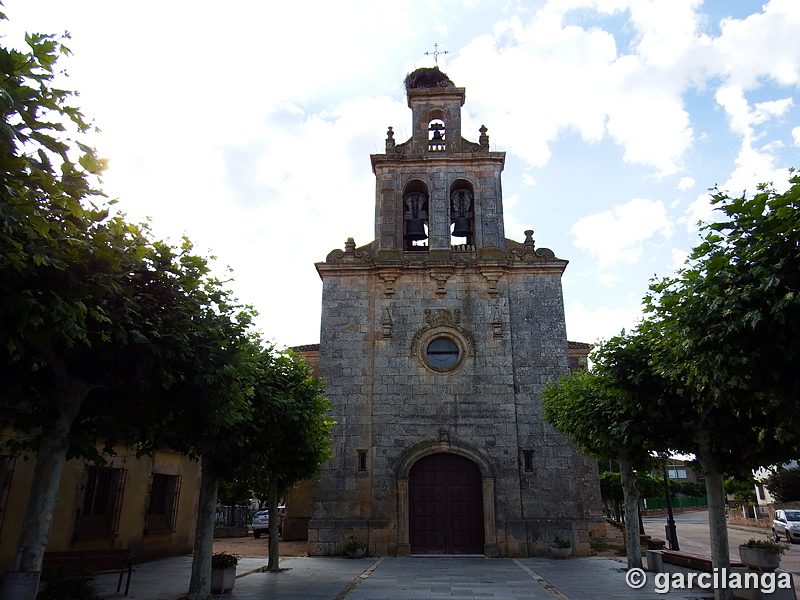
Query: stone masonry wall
(386,402)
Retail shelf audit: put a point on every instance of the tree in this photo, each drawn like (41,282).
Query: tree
(101,324)
(729,328)
(784,484)
(610,413)
(289,433)
(742,489)
(284,439)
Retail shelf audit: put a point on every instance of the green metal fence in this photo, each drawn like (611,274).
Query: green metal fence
(661,503)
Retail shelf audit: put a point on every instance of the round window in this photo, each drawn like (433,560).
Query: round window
(442,353)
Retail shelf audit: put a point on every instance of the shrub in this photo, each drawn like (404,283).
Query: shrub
(75,585)
(222,560)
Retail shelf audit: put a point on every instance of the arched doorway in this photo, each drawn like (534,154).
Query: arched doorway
(445,506)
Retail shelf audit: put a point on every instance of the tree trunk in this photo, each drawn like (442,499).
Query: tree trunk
(200,583)
(274,548)
(38,519)
(717,521)
(633,544)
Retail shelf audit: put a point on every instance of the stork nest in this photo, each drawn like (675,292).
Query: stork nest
(427,78)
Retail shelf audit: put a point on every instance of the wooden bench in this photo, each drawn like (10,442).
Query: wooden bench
(698,562)
(99,562)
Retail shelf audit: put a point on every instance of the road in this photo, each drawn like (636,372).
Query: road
(693,536)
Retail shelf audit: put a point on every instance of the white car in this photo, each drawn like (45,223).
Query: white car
(261,522)
(786,524)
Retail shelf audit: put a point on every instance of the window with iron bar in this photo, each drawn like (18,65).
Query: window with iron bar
(98,515)
(6,472)
(162,511)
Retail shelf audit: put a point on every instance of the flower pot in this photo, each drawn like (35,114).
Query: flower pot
(357,553)
(560,552)
(222,580)
(759,559)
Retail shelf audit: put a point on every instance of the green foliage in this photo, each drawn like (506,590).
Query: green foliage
(353,545)
(617,406)
(649,487)
(784,484)
(741,488)
(287,436)
(223,560)
(768,545)
(729,331)
(234,491)
(559,542)
(610,486)
(58,584)
(102,326)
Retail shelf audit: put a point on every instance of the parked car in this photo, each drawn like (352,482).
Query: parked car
(786,524)
(261,522)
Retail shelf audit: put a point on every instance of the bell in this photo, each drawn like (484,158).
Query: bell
(462,227)
(437,137)
(415,230)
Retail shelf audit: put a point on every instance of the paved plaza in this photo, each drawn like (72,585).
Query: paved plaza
(313,578)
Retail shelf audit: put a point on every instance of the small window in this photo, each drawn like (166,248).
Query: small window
(527,460)
(362,460)
(442,353)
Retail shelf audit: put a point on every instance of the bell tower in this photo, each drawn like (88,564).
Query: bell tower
(436,341)
(437,192)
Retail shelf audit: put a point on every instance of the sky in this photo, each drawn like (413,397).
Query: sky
(247,126)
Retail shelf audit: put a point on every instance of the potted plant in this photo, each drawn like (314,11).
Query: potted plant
(761,555)
(560,548)
(223,572)
(353,548)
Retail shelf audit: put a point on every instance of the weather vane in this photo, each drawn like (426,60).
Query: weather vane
(436,53)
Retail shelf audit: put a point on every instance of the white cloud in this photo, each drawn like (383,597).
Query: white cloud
(618,235)
(678,258)
(607,279)
(699,211)
(601,323)
(685,183)
(796,136)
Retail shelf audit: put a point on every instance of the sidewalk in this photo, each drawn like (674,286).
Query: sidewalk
(316,578)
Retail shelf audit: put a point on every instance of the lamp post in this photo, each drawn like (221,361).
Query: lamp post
(672,534)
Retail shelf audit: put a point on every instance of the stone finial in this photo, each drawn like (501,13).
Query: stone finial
(484,139)
(529,243)
(389,141)
(350,246)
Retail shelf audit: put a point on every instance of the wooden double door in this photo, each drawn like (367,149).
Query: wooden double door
(445,506)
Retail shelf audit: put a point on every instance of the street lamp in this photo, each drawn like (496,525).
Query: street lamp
(672,534)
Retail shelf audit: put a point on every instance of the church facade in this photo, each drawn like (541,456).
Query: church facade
(437,339)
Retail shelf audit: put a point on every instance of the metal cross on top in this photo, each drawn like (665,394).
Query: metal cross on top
(436,53)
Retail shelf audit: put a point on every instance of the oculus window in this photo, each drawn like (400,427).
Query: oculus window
(442,354)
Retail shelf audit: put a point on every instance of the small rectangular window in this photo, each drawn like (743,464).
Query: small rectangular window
(362,460)
(527,460)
